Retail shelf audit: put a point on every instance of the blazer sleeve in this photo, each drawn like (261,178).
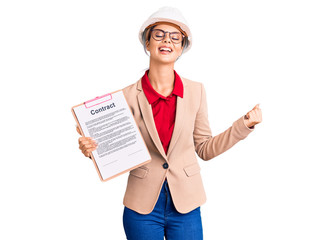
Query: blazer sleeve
(207,146)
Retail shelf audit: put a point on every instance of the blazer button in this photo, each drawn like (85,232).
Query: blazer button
(165,165)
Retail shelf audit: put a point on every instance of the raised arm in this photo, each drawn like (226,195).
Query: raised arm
(207,146)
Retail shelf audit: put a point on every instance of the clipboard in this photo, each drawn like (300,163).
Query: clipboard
(109,121)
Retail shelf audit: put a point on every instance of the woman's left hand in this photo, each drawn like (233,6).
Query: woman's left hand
(253,117)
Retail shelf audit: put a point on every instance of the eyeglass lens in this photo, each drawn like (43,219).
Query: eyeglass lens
(159,35)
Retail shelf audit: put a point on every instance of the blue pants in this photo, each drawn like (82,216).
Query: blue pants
(164,220)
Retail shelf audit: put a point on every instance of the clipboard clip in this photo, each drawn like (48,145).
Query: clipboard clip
(98,100)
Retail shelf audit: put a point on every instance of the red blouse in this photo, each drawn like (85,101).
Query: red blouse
(164,108)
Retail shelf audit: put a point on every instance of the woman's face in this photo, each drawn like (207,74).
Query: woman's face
(164,50)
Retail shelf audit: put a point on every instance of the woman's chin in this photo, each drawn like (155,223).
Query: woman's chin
(161,58)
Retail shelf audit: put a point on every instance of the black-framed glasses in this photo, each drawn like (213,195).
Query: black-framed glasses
(159,35)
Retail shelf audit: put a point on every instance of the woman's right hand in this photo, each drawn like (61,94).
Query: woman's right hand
(86,144)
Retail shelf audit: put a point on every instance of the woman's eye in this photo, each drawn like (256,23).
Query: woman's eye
(175,37)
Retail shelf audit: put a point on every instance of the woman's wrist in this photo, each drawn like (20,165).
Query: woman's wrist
(248,123)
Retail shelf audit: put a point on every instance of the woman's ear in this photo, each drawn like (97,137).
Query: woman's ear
(147,45)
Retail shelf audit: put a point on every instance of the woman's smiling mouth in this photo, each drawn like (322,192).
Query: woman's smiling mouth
(165,50)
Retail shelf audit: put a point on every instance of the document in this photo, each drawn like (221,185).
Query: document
(109,121)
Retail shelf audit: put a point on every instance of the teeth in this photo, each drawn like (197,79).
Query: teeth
(165,49)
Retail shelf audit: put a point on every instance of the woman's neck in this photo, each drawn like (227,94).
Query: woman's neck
(162,78)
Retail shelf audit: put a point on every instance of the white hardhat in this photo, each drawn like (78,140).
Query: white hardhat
(170,15)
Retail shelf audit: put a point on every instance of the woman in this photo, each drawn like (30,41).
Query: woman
(163,198)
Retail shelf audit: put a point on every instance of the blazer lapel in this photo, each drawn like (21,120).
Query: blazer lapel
(179,122)
(148,118)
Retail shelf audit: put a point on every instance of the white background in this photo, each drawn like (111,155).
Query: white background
(276,184)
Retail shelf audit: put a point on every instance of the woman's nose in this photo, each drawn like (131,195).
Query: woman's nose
(167,38)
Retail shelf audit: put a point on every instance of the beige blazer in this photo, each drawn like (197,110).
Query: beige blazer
(191,135)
